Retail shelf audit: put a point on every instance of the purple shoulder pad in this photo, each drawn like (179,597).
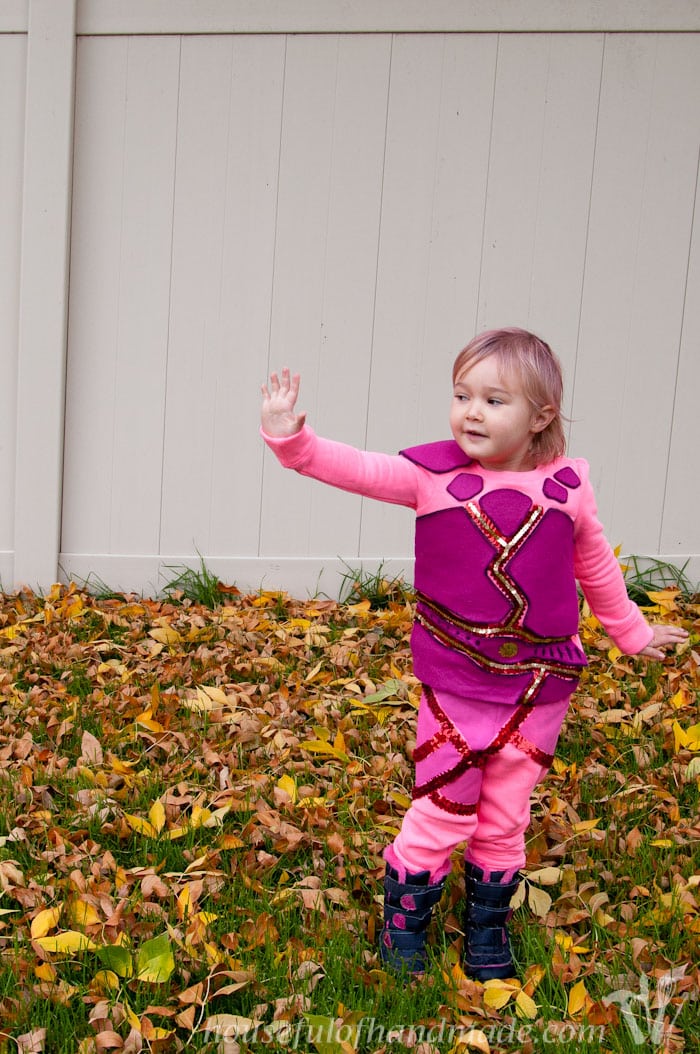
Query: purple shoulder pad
(443,456)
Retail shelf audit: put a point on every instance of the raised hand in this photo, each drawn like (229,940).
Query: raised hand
(665,635)
(278,415)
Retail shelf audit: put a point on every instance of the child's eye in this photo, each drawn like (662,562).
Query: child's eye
(495,402)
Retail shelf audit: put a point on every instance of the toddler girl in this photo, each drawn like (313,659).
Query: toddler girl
(505,526)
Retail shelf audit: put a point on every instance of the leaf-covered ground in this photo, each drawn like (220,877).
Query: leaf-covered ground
(194,804)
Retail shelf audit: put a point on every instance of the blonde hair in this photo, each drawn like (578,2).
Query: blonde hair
(536,367)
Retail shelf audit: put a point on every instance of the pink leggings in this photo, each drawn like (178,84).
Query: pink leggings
(500,786)
(495,833)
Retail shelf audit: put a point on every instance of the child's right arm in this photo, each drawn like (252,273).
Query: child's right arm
(385,477)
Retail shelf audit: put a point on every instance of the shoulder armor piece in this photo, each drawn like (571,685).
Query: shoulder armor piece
(443,456)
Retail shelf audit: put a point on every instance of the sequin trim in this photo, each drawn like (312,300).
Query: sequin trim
(497,629)
(537,665)
(526,747)
(468,758)
(454,807)
(506,548)
(509,733)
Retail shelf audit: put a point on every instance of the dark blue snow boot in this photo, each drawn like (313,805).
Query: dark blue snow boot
(408,906)
(487,951)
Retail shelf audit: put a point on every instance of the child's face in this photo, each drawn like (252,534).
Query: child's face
(492,419)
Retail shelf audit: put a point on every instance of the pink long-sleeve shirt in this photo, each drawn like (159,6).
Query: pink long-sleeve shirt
(497,559)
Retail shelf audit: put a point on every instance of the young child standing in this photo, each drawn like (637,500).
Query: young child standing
(505,526)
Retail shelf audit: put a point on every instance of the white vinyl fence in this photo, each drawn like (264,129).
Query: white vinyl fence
(192,194)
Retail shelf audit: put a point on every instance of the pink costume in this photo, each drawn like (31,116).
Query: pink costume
(495,641)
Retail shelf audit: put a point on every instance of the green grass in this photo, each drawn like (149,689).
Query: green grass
(359,584)
(196,584)
(646,576)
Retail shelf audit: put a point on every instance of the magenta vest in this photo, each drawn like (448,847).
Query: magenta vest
(497,606)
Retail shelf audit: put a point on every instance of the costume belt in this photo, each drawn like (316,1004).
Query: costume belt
(501,648)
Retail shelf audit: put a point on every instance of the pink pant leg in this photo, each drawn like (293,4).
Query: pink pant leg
(428,836)
(503,812)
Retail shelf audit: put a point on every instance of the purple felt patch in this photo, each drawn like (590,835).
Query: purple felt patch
(507,508)
(444,456)
(542,570)
(452,556)
(555,491)
(568,477)
(465,486)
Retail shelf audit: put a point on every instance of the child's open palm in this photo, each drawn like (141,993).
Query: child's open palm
(278,415)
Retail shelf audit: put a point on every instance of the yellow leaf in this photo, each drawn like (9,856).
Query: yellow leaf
(666,599)
(568,945)
(146,720)
(122,768)
(156,814)
(693,734)
(184,902)
(614,654)
(662,843)
(165,635)
(318,746)
(539,900)
(498,993)
(525,1006)
(131,1017)
(474,1039)
(46,972)
(680,737)
(313,674)
(577,998)
(545,876)
(216,695)
(230,841)
(176,832)
(206,917)
(156,1032)
(585,825)
(288,785)
(106,981)
(680,699)
(82,913)
(200,817)
(141,826)
(70,941)
(44,921)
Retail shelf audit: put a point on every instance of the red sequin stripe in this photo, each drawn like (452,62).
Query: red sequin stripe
(454,807)
(518,740)
(446,733)
(470,758)
(480,630)
(505,549)
(562,669)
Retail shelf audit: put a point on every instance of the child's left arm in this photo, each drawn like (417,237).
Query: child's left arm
(598,571)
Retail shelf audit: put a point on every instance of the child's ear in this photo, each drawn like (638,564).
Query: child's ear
(542,418)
